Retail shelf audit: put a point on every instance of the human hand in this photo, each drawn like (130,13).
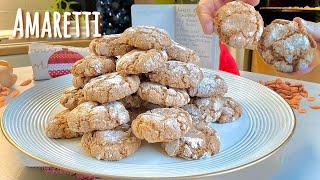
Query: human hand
(206,11)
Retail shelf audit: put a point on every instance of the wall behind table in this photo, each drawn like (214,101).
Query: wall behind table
(8,10)
(259,66)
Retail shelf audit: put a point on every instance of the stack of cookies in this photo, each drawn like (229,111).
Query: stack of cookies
(141,85)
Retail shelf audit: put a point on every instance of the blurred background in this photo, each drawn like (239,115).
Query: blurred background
(115,17)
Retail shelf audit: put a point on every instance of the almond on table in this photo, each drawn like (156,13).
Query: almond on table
(311,99)
(15,93)
(315,106)
(26,82)
(291,92)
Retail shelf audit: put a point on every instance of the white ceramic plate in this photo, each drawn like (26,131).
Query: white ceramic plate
(267,123)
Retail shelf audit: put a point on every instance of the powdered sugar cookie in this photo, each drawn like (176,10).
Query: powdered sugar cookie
(71,98)
(112,144)
(110,87)
(211,85)
(180,53)
(197,143)
(177,74)
(58,127)
(231,111)
(137,61)
(109,46)
(238,24)
(93,66)
(161,125)
(146,37)
(162,95)
(205,110)
(79,82)
(90,116)
(286,46)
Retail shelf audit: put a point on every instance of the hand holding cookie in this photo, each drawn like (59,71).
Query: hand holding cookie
(207,10)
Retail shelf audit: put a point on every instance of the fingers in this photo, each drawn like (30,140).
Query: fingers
(312,28)
(205,12)
(252,2)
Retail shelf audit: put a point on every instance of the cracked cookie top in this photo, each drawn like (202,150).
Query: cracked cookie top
(210,86)
(205,110)
(90,116)
(181,53)
(231,110)
(161,124)
(112,144)
(162,95)
(110,87)
(79,82)
(238,24)
(146,37)
(93,66)
(109,46)
(137,61)
(177,74)
(199,142)
(286,46)
(58,127)
(71,98)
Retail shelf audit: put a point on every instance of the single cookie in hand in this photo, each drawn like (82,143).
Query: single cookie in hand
(137,61)
(205,110)
(177,74)
(179,53)
(162,95)
(79,82)
(89,116)
(110,87)
(287,46)
(93,66)
(197,143)
(238,24)
(112,144)
(210,86)
(161,125)
(231,110)
(145,38)
(109,46)
(71,98)
(58,128)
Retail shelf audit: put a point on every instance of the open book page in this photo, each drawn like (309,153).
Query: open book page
(188,32)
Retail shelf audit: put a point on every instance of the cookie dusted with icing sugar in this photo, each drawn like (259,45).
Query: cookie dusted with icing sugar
(177,74)
(137,61)
(180,53)
(109,46)
(90,116)
(146,37)
(287,46)
(79,82)
(205,110)
(112,144)
(231,110)
(110,87)
(93,66)
(71,98)
(162,95)
(58,128)
(161,124)
(210,86)
(238,24)
(199,142)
